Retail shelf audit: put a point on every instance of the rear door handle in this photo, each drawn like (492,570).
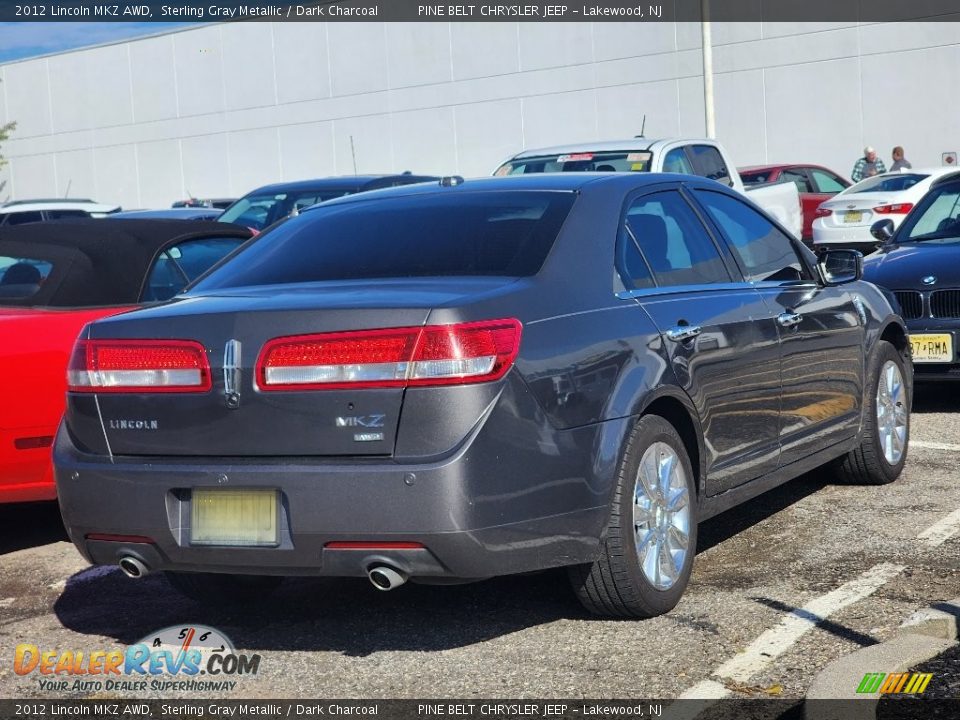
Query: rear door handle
(789,319)
(683,332)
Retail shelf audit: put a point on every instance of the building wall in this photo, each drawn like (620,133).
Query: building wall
(218,110)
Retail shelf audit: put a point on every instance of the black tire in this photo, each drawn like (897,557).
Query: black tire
(222,589)
(615,585)
(866,464)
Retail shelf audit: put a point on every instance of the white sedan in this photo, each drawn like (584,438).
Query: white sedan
(846,218)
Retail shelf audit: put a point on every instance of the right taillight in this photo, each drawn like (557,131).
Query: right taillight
(823,212)
(396,357)
(141,366)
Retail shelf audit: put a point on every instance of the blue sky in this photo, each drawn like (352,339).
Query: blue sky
(26,39)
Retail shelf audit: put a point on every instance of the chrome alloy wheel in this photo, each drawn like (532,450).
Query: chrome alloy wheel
(661,516)
(891,413)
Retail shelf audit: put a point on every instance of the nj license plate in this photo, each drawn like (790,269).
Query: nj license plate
(853,217)
(932,348)
(234,516)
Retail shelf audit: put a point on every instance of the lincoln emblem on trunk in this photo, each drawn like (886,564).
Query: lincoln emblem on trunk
(231,373)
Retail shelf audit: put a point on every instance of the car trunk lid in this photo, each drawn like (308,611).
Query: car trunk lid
(240,409)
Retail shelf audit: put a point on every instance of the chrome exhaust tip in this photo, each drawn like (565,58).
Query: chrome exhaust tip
(133,567)
(384,577)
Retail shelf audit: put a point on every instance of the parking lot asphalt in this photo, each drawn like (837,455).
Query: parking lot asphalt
(781,586)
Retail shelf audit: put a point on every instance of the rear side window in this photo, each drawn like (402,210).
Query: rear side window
(435,235)
(756,177)
(827,182)
(178,266)
(674,242)
(21,277)
(798,178)
(765,253)
(19,218)
(62,214)
(708,163)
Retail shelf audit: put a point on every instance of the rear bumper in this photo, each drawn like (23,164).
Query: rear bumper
(26,473)
(456,509)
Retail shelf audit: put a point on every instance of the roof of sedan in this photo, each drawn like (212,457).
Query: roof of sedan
(344,182)
(556,182)
(107,259)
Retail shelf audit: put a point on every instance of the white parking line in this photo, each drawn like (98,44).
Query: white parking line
(7,602)
(776,641)
(705,690)
(941,531)
(934,445)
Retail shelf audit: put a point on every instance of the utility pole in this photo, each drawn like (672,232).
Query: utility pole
(707,43)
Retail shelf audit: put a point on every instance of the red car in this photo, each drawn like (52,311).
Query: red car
(55,278)
(815,183)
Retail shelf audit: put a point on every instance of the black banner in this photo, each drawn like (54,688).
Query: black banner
(473,709)
(847,11)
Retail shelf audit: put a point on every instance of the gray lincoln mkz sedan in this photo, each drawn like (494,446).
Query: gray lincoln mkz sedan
(466,379)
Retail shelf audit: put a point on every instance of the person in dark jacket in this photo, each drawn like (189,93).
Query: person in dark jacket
(899,161)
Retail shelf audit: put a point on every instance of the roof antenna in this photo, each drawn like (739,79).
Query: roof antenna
(66,194)
(643,126)
(353,154)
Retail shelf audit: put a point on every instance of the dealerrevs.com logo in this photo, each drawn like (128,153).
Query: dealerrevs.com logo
(191,658)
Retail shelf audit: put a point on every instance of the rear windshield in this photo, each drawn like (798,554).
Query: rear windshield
(21,277)
(622,161)
(887,183)
(460,233)
(259,211)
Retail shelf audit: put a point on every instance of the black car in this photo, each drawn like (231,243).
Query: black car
(177,213)
(920,263)
(264,206)
(460,380)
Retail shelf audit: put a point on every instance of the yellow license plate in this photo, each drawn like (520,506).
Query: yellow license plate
(932,348)
(852,217)
(222,516)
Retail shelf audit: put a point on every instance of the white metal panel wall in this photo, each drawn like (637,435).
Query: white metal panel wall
(218,110)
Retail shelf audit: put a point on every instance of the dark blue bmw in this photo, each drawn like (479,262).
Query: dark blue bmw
(457,380)
(920,263)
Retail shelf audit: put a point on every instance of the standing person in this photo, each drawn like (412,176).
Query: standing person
(899,161)
(867,166)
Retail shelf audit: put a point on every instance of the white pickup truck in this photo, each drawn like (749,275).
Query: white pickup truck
(706,158)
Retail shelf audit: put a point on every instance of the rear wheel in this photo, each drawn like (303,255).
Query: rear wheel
(882,452)
(222,589)
(647,556)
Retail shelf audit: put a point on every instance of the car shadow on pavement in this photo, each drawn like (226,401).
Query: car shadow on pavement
(28,525)
(734,521)
(345,615)
(936,398)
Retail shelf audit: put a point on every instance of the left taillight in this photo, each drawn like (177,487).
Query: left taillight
(394,357)
(894,209)
(140,366)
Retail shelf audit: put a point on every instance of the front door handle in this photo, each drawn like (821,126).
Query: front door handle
(789,319)
(683,332)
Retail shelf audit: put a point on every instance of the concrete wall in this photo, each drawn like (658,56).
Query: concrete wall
(218,110)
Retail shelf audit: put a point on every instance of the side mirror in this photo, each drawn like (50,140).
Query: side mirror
(838,267)
(882,230)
